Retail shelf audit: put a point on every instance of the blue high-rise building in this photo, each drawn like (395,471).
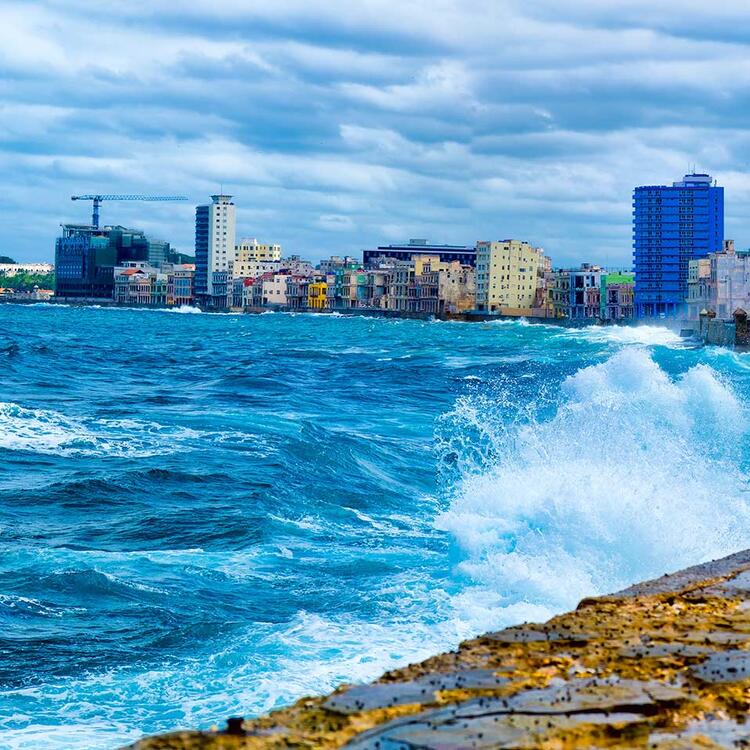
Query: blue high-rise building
(672,226)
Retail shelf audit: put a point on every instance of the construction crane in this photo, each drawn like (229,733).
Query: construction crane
(99,198)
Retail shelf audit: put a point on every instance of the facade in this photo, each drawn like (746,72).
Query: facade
(729,282)
(215,229)
(84,262)
(672,226)
(274,289)
(576,293)
(330,265)
(699,281)
(465,255)
(317,292)
(297,266)
(85,258)
(507,275)
(180,284)
(138,283)
(250,257)
(616,296)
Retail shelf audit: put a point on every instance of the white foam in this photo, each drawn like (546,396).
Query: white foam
(48,432)
(634,474)
(646,335)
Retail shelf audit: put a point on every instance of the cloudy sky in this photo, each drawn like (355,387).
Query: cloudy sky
(342,124)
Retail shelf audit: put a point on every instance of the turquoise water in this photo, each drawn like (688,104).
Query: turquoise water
(207,515)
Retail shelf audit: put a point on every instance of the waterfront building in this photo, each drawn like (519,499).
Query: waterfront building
(402,293)
(317,292)
(507,275)
(719,283)
(297,292)
(353,288)
(179,283)
(274,289)
(616,295)
(699,282)
(672,226)
(376,293)
(576,293)
(456,288)
(215,228)
(466,255)
(251,258)
(84,262)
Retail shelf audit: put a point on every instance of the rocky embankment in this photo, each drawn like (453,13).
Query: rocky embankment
(663,664)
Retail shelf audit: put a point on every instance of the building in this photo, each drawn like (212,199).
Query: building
(215,229)
(253,259)
(317,293)
(672,226)
(465,255)
(180,284)
(330,265)
(576,293)
(507,275)
(729,281)
(274,289)
(699,281)
(456,288)
(616,296)
(297,266)
(84,263)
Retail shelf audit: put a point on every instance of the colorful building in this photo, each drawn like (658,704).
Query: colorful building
(317,293)
(617,296)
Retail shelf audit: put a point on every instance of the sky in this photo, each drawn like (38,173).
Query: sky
(340,125)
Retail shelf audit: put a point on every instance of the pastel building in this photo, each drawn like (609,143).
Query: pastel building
(215,229)
(252,258)
(617,295)
(507,275)
(672,226)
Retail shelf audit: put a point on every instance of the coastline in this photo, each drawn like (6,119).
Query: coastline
(464,317)
(662,664)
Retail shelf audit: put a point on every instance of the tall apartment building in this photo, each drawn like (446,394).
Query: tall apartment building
(251,258)
(215,228)
(507,274)
(672,226)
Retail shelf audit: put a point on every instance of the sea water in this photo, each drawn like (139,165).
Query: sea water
(213,515)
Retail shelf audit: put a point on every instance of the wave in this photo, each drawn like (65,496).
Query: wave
(48,432)
(625,474)
(642,334)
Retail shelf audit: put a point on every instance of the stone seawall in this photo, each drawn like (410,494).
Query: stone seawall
(663,665)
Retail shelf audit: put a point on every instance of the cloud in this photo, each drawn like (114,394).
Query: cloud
(340,125)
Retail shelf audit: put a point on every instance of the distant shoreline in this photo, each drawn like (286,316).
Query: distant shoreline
(465,317)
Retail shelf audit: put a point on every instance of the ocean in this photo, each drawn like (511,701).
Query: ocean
(213,515)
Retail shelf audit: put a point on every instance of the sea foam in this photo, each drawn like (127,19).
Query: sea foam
(630,474)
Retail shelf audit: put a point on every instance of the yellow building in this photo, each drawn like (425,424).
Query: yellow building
(508,274)
(249,253)
(316,295)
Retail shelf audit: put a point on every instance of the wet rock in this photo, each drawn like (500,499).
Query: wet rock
(663,665)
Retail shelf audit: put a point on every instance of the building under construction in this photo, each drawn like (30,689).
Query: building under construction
(86,254)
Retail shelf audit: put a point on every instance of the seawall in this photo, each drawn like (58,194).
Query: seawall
(663,664)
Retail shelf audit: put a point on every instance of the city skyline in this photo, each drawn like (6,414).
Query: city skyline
(343,128)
